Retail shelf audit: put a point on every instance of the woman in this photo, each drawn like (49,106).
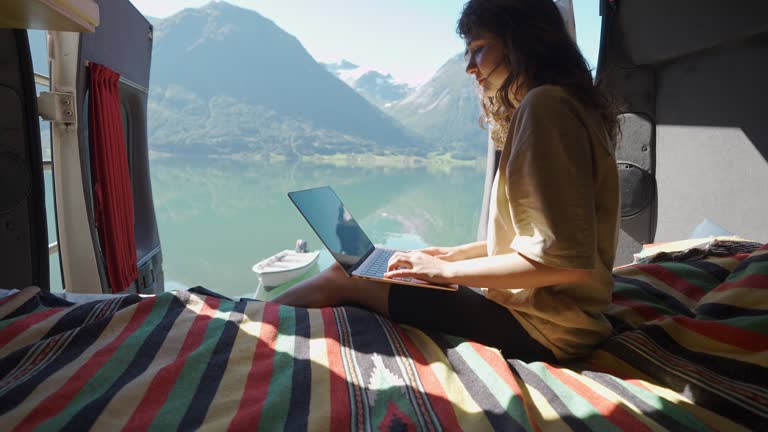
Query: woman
(545,270)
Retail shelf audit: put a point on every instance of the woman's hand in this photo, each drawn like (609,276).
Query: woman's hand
(419,265)
(458,253)
(443,253)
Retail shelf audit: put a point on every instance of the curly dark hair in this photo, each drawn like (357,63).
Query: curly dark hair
(539,51)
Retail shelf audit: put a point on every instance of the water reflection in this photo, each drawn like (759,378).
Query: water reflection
(217,218)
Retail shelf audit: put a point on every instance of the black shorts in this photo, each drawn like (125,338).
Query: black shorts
(467,314)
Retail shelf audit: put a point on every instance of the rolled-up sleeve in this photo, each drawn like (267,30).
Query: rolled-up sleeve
(550,187)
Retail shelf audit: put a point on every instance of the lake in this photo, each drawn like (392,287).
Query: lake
(217,217)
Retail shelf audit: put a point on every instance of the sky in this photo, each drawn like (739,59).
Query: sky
(410,39)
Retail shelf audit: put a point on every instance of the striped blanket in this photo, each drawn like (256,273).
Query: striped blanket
(690,353)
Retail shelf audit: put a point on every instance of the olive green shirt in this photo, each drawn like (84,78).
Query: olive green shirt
(555,200)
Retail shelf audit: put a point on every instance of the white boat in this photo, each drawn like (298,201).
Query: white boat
(284,266)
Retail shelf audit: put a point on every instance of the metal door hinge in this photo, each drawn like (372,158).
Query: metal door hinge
(56,107)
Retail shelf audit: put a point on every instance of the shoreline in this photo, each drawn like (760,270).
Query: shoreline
(433,160)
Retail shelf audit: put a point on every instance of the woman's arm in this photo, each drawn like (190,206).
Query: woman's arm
(495,272)
(458,253)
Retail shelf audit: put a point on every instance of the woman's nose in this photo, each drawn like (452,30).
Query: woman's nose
(471,66)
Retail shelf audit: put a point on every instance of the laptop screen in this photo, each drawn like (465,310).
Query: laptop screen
(336,228)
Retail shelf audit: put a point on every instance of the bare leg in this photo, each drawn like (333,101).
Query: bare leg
(332,287)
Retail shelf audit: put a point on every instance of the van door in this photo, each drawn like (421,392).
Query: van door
(123,43)
(23,228)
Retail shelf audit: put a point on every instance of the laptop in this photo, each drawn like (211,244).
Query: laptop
(346,241)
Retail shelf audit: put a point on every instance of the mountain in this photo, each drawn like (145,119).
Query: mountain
(226,81)
(380,89)
(346,71)
(446,111)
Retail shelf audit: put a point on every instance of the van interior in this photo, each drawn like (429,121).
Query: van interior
(690,343)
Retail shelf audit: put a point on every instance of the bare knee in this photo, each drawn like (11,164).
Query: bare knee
(332,287)
(335,285)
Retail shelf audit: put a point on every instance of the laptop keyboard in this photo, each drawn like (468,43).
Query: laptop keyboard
(377,265)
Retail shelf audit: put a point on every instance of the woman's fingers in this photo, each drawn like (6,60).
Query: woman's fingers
(414,264)
(402,273)
(398,265)
(399,259)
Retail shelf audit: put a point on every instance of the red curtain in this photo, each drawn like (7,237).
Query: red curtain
(113,199)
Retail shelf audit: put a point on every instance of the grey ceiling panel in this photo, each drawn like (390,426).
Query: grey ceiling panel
(657,31)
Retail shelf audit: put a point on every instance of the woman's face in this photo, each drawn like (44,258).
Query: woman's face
(485,59)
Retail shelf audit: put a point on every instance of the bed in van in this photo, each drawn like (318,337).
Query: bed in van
(690,346)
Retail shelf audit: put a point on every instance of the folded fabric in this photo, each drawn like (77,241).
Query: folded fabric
(695,249)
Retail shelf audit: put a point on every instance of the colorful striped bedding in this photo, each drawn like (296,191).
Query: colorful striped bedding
(698,330)
(690,353)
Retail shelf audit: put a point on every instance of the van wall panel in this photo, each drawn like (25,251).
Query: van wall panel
(712,141)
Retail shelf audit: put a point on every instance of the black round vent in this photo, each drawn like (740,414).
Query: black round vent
(637,189)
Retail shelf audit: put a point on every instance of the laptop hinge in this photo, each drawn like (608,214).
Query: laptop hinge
(361,260)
